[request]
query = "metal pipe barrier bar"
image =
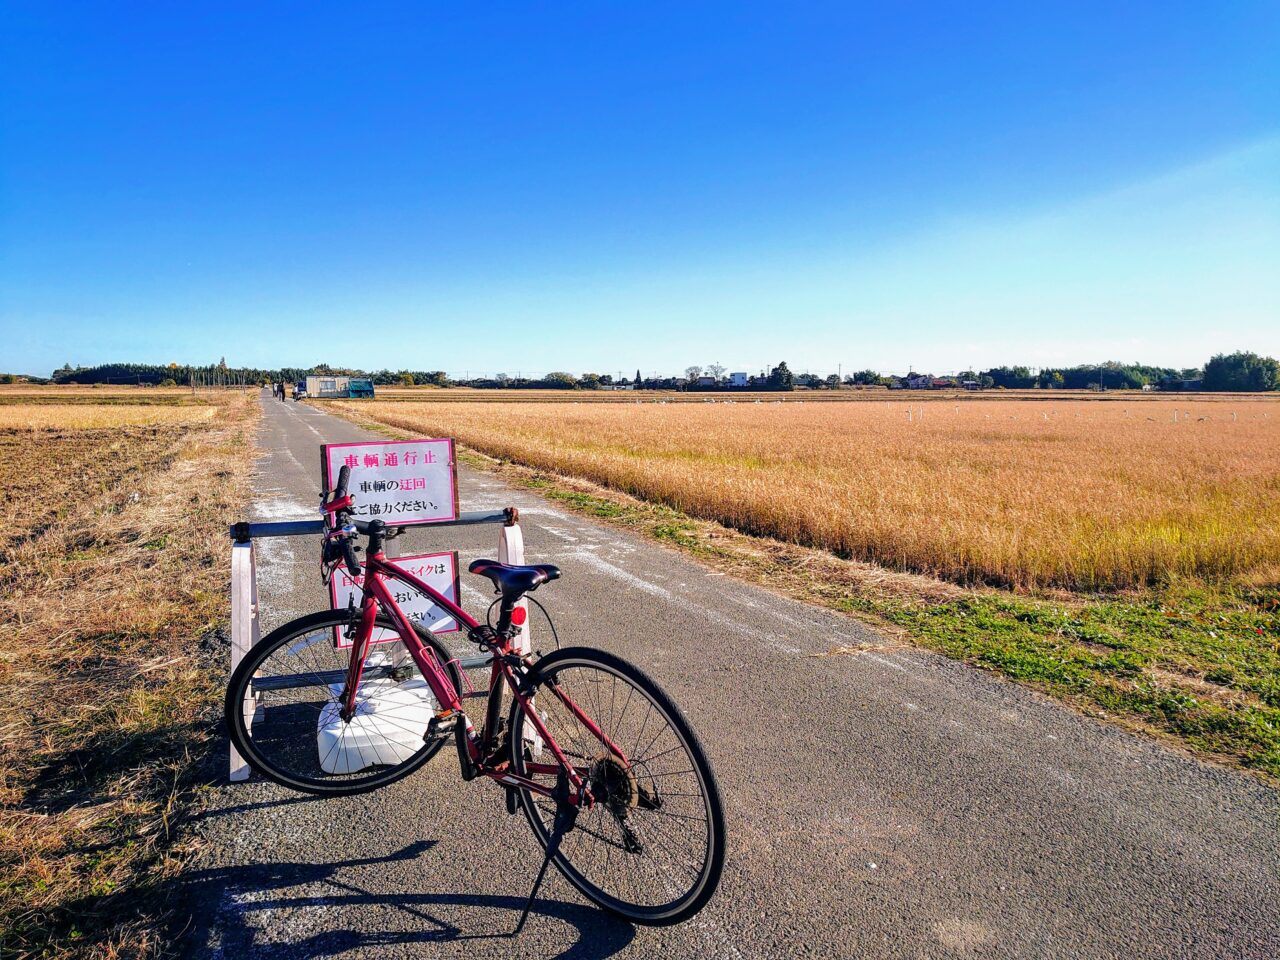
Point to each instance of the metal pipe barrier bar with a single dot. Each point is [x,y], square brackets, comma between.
[245,531]
[326,677]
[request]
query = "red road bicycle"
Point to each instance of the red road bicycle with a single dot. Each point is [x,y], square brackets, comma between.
[612,779]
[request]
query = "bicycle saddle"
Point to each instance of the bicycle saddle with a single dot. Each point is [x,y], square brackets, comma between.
[512,581]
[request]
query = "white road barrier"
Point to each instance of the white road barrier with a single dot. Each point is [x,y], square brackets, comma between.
[245,630]
[245,626]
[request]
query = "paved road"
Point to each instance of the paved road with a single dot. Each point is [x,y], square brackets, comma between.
[887,804]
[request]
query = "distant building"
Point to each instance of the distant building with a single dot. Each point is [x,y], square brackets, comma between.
[971,384]
[1177,385]
[336,386]
[919,381]
[738,380]
[706,382]
[327,386]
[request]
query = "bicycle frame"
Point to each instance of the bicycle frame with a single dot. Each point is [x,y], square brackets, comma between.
[508,668]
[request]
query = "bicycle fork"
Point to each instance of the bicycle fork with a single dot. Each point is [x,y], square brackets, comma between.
[355,666]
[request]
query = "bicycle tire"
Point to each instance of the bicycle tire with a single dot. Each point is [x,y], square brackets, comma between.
[241,736]
[553,668]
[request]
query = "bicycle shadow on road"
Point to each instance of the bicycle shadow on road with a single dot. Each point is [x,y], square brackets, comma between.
[226,900]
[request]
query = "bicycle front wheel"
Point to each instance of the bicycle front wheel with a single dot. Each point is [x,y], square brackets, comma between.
[283,713]
[652,847]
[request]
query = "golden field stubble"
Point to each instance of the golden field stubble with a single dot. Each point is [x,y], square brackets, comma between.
[1075,493]
[85,416]
[113,562]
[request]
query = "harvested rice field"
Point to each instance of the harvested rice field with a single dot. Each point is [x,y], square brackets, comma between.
[1077,494]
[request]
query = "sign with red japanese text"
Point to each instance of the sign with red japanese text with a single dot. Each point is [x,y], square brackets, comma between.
[436,570]
[403,482]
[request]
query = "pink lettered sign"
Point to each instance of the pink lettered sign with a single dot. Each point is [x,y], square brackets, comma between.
[404,482]
[439,570]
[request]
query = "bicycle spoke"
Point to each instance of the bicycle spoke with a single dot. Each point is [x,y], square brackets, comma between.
[613,733]
[291,724]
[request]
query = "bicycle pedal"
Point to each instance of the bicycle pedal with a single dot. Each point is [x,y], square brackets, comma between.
[440,727]
[513,803]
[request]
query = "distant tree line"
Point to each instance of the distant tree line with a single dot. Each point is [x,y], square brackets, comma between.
[1224,372]
[183,374]
[1106,376]
[1242,371]
[21,378]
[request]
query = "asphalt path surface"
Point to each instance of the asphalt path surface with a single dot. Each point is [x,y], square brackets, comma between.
[885,803]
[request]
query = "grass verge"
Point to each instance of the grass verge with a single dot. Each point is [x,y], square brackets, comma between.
[113,567]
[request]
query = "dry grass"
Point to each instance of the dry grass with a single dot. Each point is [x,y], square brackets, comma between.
[112,568]
[1070,493]
[93,392]
[90,416]
[473,395]
[32,396]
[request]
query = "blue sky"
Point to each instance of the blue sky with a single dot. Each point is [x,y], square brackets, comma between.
[606,187]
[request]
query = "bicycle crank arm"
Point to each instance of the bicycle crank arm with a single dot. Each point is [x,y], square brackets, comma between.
[466,766]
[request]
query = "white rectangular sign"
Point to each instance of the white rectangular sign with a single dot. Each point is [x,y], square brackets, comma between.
[404,482]
[438,570]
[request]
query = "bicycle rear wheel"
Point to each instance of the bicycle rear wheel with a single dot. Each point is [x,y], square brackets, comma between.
[282,709]
[652,847]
